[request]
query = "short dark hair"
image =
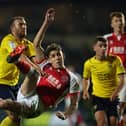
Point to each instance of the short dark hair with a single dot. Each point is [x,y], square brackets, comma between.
[52,47]
[16,18]
[100,38]
[116,14]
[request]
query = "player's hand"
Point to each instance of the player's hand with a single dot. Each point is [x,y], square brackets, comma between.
[86,95]
[61,115]
[113,96]
[50,15]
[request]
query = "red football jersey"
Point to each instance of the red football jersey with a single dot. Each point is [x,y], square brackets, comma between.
[55,84]
[117,46]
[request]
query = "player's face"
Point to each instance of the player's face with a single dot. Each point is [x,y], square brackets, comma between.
[19,28]
[56,58]
[100,49]
[118,23]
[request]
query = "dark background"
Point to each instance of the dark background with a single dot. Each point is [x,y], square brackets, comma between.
[76,25]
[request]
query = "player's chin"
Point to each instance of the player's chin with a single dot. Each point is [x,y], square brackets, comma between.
[23,35]
[58,65]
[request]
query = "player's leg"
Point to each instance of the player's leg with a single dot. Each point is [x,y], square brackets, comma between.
[124,117]
[11,107]
[25,68]
[15,54]
[99,110]
[31,78]
[112,112]
[29,83]
[122,98]
[5,116]
[101,118]
[5,93]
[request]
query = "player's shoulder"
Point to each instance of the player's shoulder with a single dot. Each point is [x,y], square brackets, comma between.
[8,41]
[107,35]
[44,64]
[112,58]
[69,72]
[90,60]
[125,33]
[72,75]
[27,41]
[74,82]
[8,37]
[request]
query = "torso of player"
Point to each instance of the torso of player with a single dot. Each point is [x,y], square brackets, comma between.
[9,74]
[53,85]
[103,75]
[117,46]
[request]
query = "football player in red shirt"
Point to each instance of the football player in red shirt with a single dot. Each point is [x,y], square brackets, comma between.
[117,46]
[45,86]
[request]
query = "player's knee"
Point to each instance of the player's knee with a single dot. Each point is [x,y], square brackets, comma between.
[33,73]
[6,103]
[13,117]
[3,104]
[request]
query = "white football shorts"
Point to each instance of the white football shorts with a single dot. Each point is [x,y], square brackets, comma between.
[32,102]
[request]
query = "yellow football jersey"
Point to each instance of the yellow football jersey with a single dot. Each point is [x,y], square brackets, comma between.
[103,74]
[9,74]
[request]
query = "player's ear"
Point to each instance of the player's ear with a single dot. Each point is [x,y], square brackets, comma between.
[125,23]
[64,56]
[111,25]
[93,47]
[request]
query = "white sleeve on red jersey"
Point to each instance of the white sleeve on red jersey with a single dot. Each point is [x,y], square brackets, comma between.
[74,84]
[107,35]
[43,63]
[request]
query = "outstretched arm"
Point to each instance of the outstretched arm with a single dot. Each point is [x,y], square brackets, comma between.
[49,18]
[71,109]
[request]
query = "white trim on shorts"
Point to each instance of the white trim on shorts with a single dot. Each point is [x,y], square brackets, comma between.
[33,102]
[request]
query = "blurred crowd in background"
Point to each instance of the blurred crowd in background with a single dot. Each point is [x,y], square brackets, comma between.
[77,23]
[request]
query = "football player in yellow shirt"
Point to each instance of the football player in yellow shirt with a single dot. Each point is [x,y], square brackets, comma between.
[9,74]
[107,76]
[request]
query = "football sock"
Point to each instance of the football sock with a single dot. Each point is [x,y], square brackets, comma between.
[23,67]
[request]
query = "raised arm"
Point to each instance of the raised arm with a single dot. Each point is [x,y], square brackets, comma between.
[49,18]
